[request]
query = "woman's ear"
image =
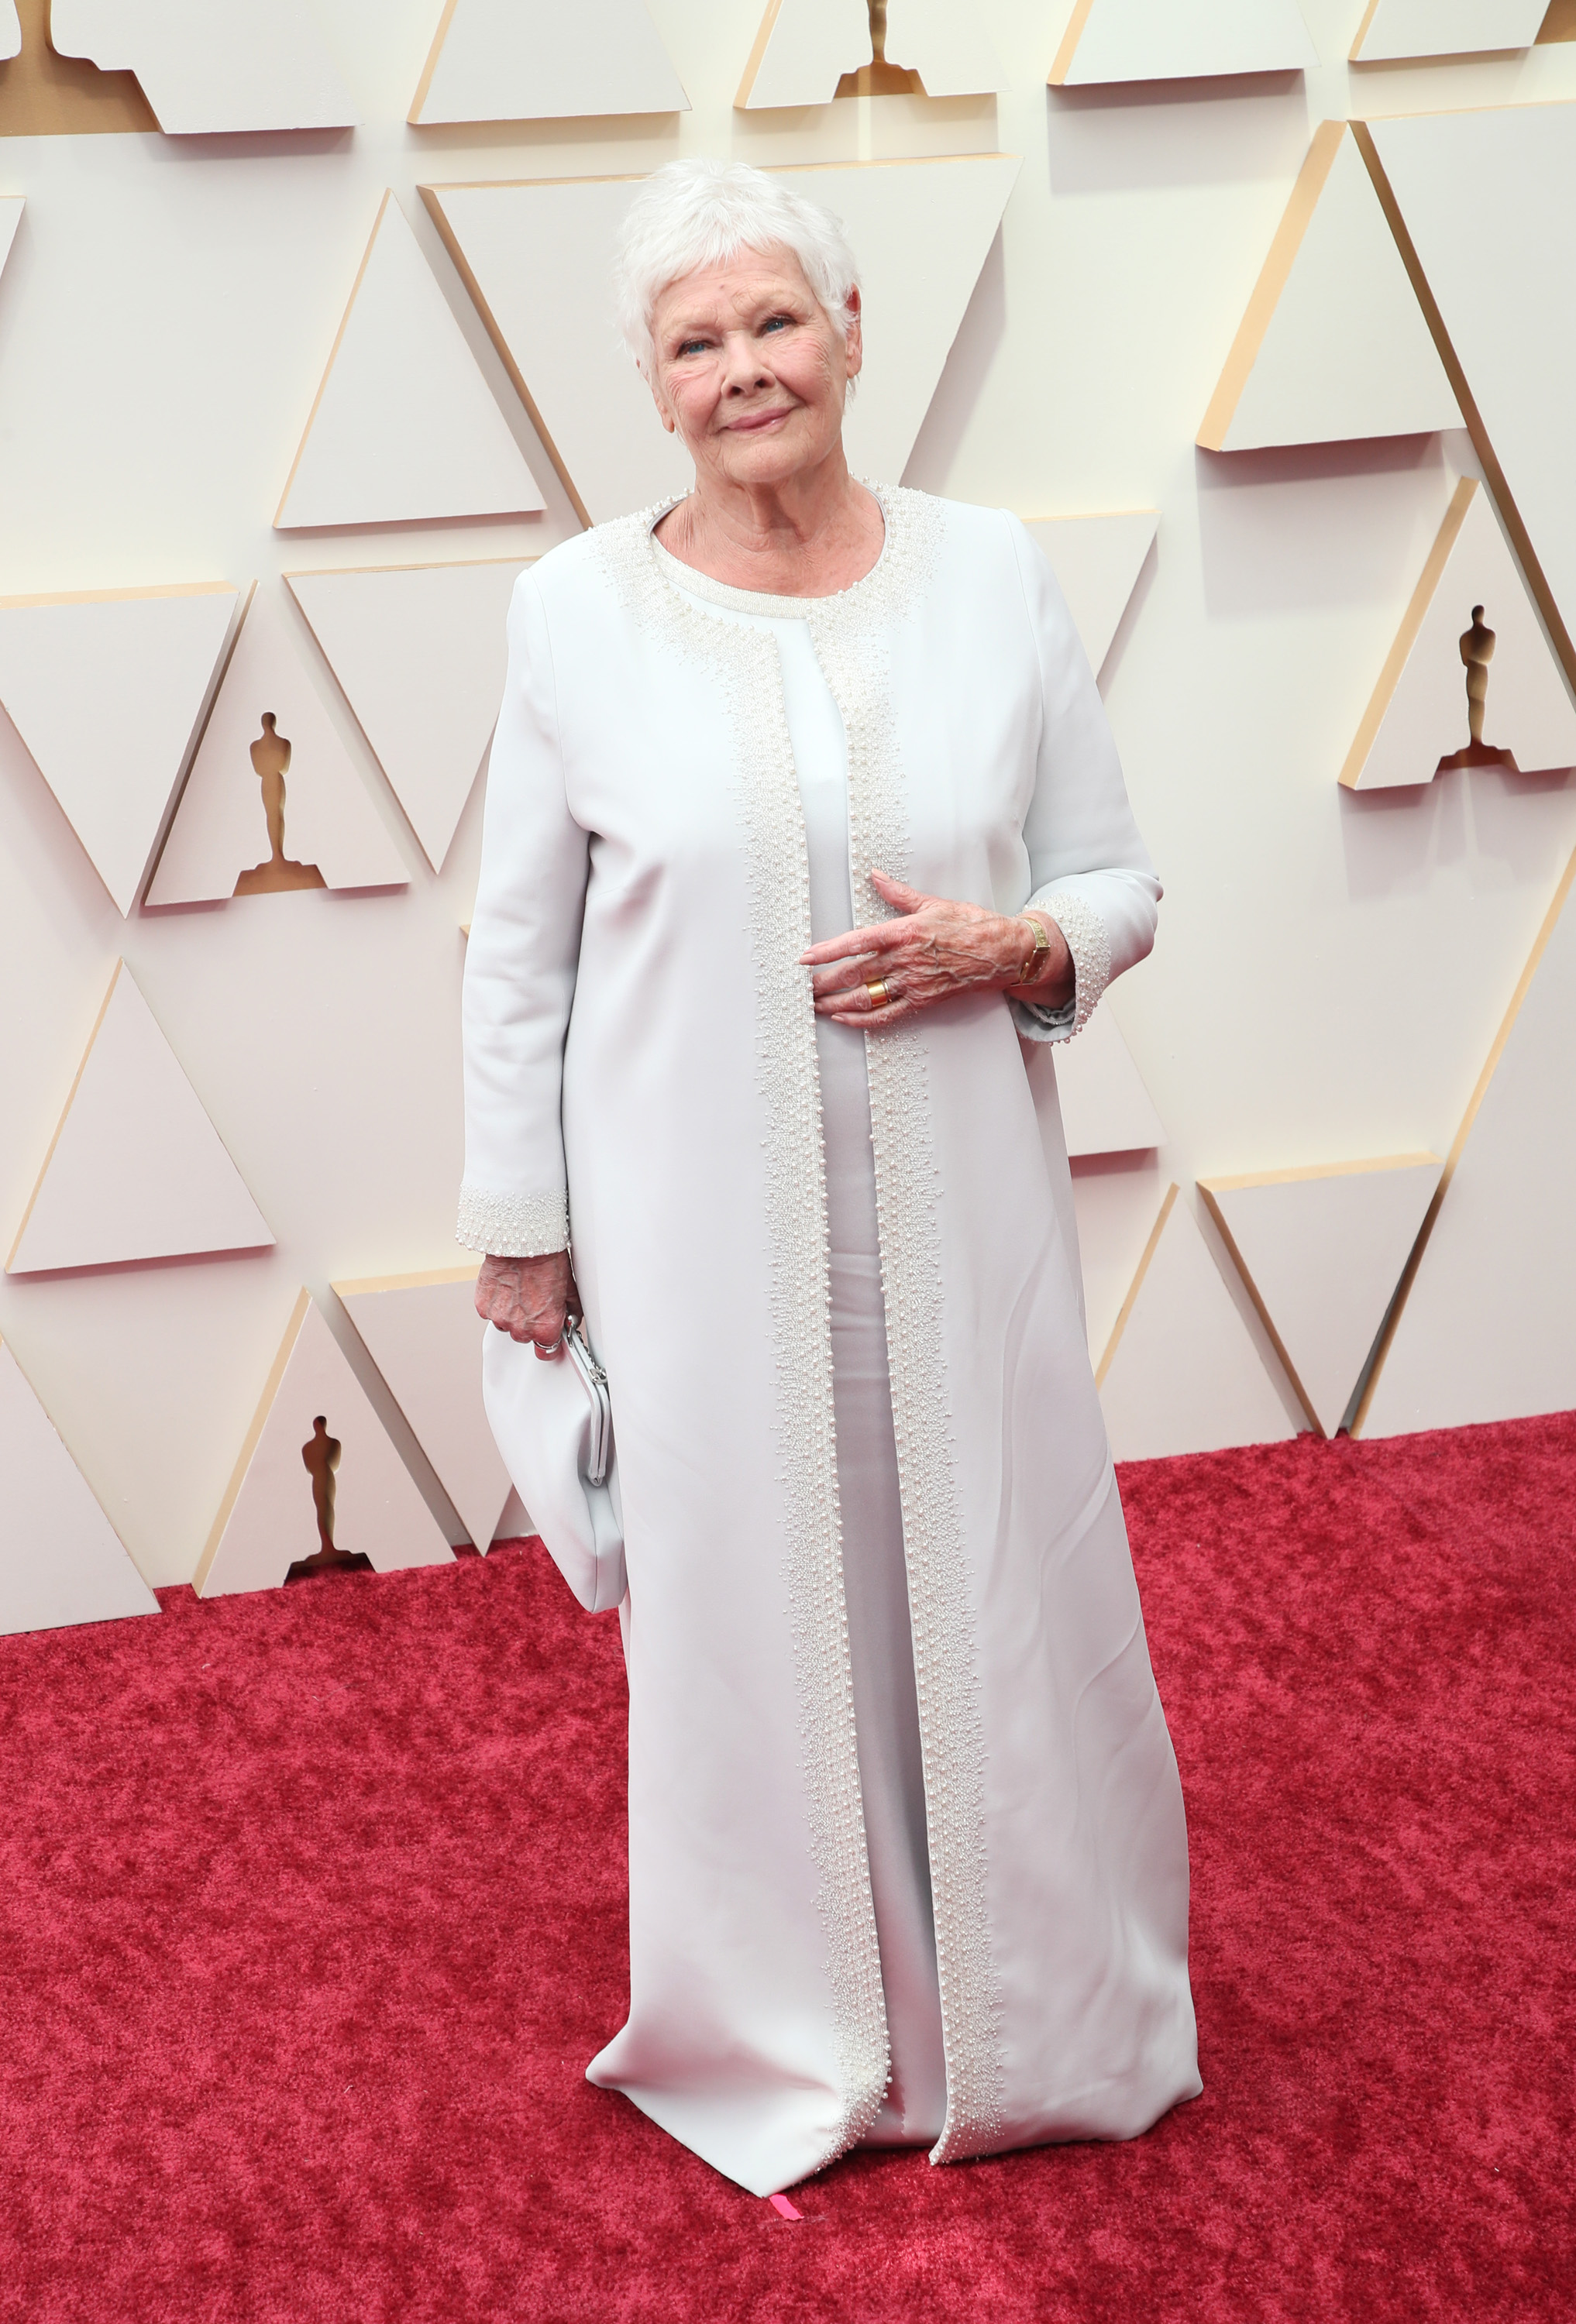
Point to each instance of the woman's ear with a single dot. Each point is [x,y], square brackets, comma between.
[854,342]
[664,411]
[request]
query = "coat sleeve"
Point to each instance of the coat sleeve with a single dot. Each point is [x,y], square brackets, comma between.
[1089,869]
[521,962]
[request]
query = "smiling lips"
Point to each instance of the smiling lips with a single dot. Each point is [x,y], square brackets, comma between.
[755,420]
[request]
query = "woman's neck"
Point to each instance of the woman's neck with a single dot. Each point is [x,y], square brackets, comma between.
[809,535]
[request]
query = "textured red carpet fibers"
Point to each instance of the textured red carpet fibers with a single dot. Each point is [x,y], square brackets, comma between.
[312,1914]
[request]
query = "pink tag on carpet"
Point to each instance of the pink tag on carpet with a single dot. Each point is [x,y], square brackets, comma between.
[783,2207]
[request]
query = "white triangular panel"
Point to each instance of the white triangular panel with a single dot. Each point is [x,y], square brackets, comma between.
[1486,1332]
[1445,28]
[11,208]
[1333,344]
[405,427]
[10,46]
[1105,1107]
[424,1335]
[538,256]
[220,829]
[539,61]
[267,1519]
[137,1171]
[105,690]
[1321,1251]
[1418,716]
[60,1559]
[1114,1204]
[1489,200]
[420,652]
[946,45]
[1097,560]
[802,50]
[1180,40]
[212,67]
[1181,1374]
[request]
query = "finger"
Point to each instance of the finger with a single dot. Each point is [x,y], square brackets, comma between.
[899,891]
[849,977]
[874,1020]
[883,937]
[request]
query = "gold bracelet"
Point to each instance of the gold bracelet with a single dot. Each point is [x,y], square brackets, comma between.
[1042,945]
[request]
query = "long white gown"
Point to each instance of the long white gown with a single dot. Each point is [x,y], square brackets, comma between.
[908,1857]
[885,1706]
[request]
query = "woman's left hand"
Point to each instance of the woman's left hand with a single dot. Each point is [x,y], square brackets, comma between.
[935,949]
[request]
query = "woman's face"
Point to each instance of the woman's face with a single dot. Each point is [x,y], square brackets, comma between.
[751,369]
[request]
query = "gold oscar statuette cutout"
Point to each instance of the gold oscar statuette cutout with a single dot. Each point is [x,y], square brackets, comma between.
[271,756]
[880,78]
[320,1459]
[43,94]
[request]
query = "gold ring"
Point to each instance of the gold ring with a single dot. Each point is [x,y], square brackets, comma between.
[878,994]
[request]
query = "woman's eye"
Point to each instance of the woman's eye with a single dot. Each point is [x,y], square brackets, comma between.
[692,347]
[778,323]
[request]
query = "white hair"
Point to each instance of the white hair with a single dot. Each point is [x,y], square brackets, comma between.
[693,215]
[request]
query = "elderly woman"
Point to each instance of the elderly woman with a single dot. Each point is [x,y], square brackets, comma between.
[804,826]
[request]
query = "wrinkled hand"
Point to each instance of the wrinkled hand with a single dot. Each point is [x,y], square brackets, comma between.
[935,949]
[529,1298]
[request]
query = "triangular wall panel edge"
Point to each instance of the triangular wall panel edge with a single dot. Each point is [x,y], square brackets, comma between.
[61,1562]
[1470,648]
[1110,41]
[135,1171]
[107,680]
[1480,1326]
[1097,560]
[269,1517]
[1320,1251]
[208,71]
[1394,30]
[404,428]
[424,1335]
[1181,1373]
[1332,346]
[273,803]
[420,652]
[539,61]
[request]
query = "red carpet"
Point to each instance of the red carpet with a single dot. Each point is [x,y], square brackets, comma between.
[310,1914]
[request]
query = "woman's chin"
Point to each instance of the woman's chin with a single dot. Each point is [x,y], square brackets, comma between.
[770,457]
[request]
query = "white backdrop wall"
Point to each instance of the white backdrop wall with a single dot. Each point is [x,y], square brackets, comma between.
[1332,967]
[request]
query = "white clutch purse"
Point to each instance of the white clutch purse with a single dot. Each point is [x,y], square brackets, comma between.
[552,1421]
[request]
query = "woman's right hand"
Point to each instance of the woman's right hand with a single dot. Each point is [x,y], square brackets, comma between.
[529,1298]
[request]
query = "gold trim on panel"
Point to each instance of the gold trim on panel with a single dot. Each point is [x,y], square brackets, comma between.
[1062,64]
[419,1282]
[1137,1284]
[431,196]
[425,84]
[753,62]
[332,356]
[1497,1050]
[1360,35]
[1494,474]
[1559,23]
[1411,621]
[119,596]
[1317,164]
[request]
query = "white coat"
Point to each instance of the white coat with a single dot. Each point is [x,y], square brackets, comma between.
[641,1065]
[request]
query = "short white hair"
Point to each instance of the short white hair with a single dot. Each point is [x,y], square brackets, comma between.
[689,216]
